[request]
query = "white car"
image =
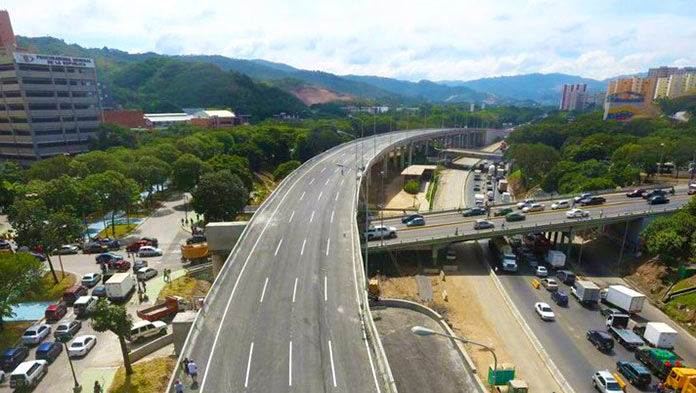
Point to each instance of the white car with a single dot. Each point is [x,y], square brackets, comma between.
[81,345]
[146,329]
[544,310]
[67,249]
[35,334]
[560,205]
[534,207]
[149,251]
[526,202]
[605,382]
[541,271]
[380,232]
[577,213]
[146,273]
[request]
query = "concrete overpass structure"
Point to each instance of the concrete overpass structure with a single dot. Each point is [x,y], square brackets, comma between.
[451,153]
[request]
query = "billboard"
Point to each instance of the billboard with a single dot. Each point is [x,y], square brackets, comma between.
[31,58]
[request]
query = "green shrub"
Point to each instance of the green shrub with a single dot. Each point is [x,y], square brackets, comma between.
[412,187]
[285,169]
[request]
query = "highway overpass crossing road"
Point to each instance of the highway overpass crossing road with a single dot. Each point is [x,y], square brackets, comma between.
[284,313]
[448,227]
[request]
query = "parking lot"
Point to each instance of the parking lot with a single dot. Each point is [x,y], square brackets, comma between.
[565,338]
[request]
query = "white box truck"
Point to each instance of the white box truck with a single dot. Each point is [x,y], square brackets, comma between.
[502,185]
[624,298]
[556,258]
[120,286]
[506,198]
[586,292]
[660,335]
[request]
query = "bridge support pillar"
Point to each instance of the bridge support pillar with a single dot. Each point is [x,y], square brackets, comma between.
[402,154]
[410,154]
[385,167]
[555,239]
[222,236]
[427,145]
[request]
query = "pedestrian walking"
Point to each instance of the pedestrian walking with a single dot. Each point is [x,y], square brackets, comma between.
[456,231]
[185,364]
[178,387]
[182,221]
[193,372]
[97,387]
[502,225]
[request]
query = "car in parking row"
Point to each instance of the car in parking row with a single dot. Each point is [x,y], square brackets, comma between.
[562,204]
[82,345]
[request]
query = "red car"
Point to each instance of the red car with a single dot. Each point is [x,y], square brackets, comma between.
[120,265]
[55,312]
[136,246]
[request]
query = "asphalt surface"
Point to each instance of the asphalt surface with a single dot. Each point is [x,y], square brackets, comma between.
[421,364]
[451,224]
[286,315]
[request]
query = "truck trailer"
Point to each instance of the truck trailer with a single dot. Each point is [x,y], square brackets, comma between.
[660,335]
[586,292]
[503,254]
[556,259]
[120,286]
[624,298]
[617,323]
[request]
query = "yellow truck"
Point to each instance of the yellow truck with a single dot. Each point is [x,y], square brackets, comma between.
[195,253]
[681,379]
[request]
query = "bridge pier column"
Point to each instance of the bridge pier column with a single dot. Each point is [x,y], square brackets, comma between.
[426,148]
[555,239]
[402,151]
[410,154]
[385,166]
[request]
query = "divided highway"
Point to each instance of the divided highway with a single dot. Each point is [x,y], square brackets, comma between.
[283,315]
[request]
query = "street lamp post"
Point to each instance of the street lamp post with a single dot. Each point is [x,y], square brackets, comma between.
[423,331]
[362,135]
[77,388]
[662,156]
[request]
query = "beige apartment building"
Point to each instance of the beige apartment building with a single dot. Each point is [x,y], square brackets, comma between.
[49,104]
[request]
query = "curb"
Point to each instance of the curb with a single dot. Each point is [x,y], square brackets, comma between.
[548,362]
[425,310]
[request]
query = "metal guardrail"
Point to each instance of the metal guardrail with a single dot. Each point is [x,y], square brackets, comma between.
[568,224]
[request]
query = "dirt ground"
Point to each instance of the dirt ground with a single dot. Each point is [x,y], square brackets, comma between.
[652,277]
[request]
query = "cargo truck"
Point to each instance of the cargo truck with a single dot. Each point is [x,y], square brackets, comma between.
[556,258]
[195,253]
[503,253]
[659,361]
[491,170]
[170,306]
[502,185]
[505,197]
[120,286]
[617,323]
[624,298]
[586,292]
[660,335]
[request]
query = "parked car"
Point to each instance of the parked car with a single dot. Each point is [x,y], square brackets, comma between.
[99,291]
[550,284]
[541,271]
[28,374]
[5,245]
[13,356]
[49,351]
[560,297]
[81,345]
[566,277]
[474,211]
[146,273]
[515,216]
[35,334]
[152,240]
[118,266]
[605,382]
[196,239]
[139,265]
[595,200]
[380,232]
[94,248]
[71,294]
[503,211]
[658,200]
[636,192]
[67,249]
[563,204]
[577,213]
[416,222]
[2,376]
[534,207]
[112,244]
[483,224]
[410,217]
[582,196]
[85,305]
[135,246]
[149,251]
[146,329]
[635,373]
[108,257]
[602,340]
[91,279]
[477,188]
[544,311]
[55,312]
[66,330]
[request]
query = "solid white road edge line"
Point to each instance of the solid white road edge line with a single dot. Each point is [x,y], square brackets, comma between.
[333,370]
[290,366]
[251,352]
[263,291]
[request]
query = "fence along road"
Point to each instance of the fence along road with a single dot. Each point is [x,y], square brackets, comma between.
[284,313]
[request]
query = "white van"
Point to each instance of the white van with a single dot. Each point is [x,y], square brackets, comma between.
[145,329]
[479,199]
[28,373]
[85,305]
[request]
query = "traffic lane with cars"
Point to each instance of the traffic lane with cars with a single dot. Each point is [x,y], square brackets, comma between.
[564,339]
[465,225]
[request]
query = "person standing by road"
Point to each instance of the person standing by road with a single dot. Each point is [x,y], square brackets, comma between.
[178,387]
[193,372]
[185,363]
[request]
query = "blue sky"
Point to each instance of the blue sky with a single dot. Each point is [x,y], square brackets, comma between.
[437,39]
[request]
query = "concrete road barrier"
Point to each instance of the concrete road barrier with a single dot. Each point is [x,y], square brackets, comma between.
[151,347]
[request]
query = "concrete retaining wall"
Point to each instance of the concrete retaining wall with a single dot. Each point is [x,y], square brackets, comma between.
[151,347]
[400,303]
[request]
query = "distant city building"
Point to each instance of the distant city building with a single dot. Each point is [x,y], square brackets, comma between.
[665,72]
[366,109]
[595,99]
[164,120]
[125,118]
[218,119]
[675,85]
[49,104]
[573,97]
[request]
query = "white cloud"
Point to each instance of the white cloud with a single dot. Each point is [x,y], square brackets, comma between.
[440,39]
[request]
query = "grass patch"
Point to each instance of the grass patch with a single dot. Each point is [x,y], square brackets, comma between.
[12,333]
[682,308]
[683,284]
[149,376]
[185,287]
[48,290]
[432,188]
[121,231]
